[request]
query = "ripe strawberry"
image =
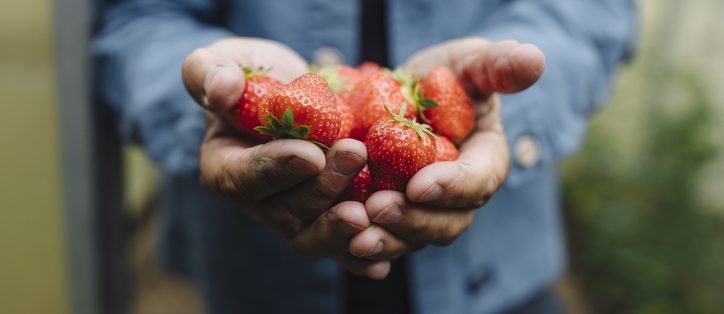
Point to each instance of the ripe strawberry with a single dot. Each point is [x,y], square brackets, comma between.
[445,105]
[341,78]
[446,150]
[346,118]
[369,97]
[245,114]
[397,148]
[304,109]
[360,188]
[368,68]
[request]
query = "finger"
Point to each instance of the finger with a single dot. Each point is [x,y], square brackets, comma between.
[376,243]
[214,75]
[330,233]
[281,62]
[307,200]
[233,169]
[505,66]
[363,267]
[416,222]
[485,67]
[214,80]
[474,177]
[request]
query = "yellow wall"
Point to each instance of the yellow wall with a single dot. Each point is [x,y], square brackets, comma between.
[33,270]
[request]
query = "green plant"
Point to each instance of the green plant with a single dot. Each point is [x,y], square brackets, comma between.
[640,239]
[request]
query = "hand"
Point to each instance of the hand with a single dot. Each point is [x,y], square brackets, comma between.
[286,185]
[441,199]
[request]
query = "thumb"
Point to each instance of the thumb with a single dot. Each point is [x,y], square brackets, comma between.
[215,82]
[504,67]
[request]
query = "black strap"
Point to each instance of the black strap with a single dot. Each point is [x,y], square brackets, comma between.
[373,38]
[365,296]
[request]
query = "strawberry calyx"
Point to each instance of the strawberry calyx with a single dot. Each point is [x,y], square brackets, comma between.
[252,72]
[285,128]
[413,91]
[330,73]
[421,129]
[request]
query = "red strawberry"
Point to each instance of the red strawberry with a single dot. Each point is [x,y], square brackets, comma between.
[397,148]
[446,150]
[369,97]
[341,78]
[360,188]
[245,115]
[368,68]
[305,109]
[445,105]
[347,118]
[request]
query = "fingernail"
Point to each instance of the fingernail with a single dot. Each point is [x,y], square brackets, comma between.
[376,250]
[431,193]
[346,163]
[389,215]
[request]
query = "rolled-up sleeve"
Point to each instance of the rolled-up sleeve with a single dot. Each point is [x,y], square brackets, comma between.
[138,51]
[584,42]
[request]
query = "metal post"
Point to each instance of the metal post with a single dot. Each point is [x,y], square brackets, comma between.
[95,221]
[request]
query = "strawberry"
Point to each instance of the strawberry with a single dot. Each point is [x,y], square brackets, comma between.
[245,114]
[346,118]
[341,78]
[304,109]
[397,148]
[368,68]
[445,105]
[446,150]
[360,188]
[369,97]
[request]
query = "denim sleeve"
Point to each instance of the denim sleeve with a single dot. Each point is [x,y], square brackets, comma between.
[138,51]
[584,42]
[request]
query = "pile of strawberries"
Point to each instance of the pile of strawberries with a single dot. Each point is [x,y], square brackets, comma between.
[374,105]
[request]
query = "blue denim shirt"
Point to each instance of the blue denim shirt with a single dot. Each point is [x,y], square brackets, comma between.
[514,248]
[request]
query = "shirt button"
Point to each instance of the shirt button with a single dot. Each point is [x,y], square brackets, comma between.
[527,151]
[328,56]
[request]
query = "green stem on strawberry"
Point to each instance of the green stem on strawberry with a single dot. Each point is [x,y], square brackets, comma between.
[420,128]
[259,71]
[286,128]
[413,91]
[331,74]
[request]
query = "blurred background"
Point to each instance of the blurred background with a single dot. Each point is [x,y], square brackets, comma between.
[644,197]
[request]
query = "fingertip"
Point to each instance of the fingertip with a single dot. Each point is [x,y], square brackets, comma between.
[527,62]
[366,243]
[353,214]
[351,145]
[223,86]
[349,157]
[427,184]
[378,270]
[381,200]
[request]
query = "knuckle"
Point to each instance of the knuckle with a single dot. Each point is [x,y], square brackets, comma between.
[446,237]
[334,213]
[226,184]
[323,191]
[456,229]
[419,228]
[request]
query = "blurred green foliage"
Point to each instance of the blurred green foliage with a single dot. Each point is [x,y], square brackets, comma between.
[641,239]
